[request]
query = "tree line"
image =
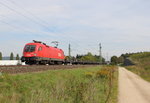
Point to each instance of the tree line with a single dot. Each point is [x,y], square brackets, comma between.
[120,60]
[117,60]
[11,56]
[89,57]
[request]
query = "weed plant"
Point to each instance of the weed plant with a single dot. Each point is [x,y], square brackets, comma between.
[92,85]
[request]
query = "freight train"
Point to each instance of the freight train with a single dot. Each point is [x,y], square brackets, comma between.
[40,53]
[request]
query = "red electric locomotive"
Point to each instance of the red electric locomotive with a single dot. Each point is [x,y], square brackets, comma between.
[40,53]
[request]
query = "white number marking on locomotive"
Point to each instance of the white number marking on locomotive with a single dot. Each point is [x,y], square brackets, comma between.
[59,54]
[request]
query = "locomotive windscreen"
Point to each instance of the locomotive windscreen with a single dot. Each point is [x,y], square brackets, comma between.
[29,48]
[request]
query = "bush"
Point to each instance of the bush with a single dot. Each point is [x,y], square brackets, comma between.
[104,73]
[89,74]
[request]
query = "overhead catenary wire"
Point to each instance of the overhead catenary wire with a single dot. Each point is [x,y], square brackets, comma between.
[27,17]
[19,28]
[15,27]
[26,30]
[35,17]
[36,20]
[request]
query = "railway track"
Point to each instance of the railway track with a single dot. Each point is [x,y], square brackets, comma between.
[37,68]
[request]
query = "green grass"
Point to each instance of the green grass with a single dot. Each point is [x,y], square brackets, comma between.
[142,65]
[58,86]
[141,71]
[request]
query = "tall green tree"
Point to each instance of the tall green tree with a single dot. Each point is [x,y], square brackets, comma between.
[0,56]
[17,57]
[114,60]
[121,59]
[11,56]
[88,57]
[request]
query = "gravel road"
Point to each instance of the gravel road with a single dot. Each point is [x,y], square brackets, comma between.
[132,88]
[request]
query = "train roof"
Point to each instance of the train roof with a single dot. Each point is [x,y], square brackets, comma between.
[41,43]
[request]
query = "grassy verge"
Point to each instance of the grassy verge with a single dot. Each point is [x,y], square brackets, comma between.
[142,71]
[142,65]
[91,85]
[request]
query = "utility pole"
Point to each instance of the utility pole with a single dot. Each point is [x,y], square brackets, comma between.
[100,53]
[107,57]
[69,52]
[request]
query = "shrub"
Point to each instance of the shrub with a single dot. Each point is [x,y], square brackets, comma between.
[104,73]
[147,68]
[89,74]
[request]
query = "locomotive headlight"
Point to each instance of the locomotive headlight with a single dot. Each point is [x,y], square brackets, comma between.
[34,54]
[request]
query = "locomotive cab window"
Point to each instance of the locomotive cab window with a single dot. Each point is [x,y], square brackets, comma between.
[40,48]
[30,48]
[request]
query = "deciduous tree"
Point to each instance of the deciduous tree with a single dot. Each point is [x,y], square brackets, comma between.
[114,60]
[11,56]
[0,56]
[17,57]
[121,59]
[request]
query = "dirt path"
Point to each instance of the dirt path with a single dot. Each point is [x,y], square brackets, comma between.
[132,89]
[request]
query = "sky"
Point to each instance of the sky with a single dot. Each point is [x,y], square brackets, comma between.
[121,26]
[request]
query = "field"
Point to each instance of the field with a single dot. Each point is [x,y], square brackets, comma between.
[83,85]
[142,65]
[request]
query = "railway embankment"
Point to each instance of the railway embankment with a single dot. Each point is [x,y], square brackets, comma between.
[141,65]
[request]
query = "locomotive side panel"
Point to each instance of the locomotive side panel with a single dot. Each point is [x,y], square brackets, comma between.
[57,54]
